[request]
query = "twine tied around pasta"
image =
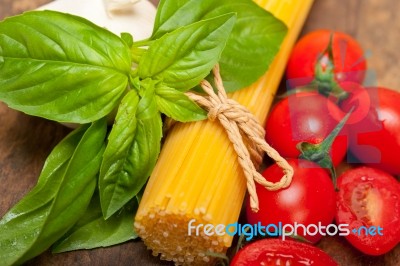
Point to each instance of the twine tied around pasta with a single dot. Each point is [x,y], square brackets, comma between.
[242,128]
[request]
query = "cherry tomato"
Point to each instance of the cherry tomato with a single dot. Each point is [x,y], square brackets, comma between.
[375,139]
[305,117]
[348,61]
[358,102]
[277,252]
[309,199]
[371,198]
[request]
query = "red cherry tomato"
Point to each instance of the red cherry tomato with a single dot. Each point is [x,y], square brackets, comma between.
[371,198]
[272,252]
[305,117]
[348,61]
[375,139]
[358,102]
[310,198]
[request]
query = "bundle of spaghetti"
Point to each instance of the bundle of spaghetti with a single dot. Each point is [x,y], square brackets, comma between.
[197,179]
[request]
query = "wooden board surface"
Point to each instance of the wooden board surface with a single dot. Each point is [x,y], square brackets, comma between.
[26,141]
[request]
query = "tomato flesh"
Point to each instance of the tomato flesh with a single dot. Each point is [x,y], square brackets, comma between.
[277,252]
[369,198]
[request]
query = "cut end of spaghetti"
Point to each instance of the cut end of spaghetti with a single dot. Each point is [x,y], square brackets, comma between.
[170,237]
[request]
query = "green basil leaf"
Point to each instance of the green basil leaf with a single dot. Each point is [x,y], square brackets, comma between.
[123,176]
[147,106]
[252,45]
[60,198]
[127,38]
[185,56]
[115,172]
[145,149]
[168,11]
[132,150]
[177,105]
[92,231]
[61,67]
[165,10]
[136,53]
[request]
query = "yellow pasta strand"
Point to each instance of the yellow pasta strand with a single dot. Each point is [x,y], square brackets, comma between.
[198,176]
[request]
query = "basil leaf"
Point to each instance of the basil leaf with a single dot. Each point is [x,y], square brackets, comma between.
[61,67]
[92,231]
[115,172]
[252,45]
[60,198]
[182,58]
[127,38]
[145,149]
[177,105]
[147,106]
[168,11]
[165,10]
[132,150]
[136,53]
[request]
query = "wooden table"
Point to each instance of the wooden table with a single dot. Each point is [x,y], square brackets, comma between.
[26,141]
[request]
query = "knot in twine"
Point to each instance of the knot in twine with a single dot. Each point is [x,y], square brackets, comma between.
[246,135]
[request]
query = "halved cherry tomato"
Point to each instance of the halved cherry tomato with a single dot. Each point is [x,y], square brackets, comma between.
[278,252]
[305,117]
[375,139]
[310,52]
[369,202]
[309,199]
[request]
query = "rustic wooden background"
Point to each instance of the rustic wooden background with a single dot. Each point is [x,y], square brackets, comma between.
[26,141]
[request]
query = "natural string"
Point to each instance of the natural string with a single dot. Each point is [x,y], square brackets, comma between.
[242,128]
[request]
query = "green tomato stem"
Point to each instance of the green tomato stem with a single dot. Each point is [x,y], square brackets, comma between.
[319,153]
[325,76]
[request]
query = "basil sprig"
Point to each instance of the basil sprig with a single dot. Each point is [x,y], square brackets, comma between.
[64,68]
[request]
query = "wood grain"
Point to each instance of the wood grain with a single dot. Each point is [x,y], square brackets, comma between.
[26,141]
